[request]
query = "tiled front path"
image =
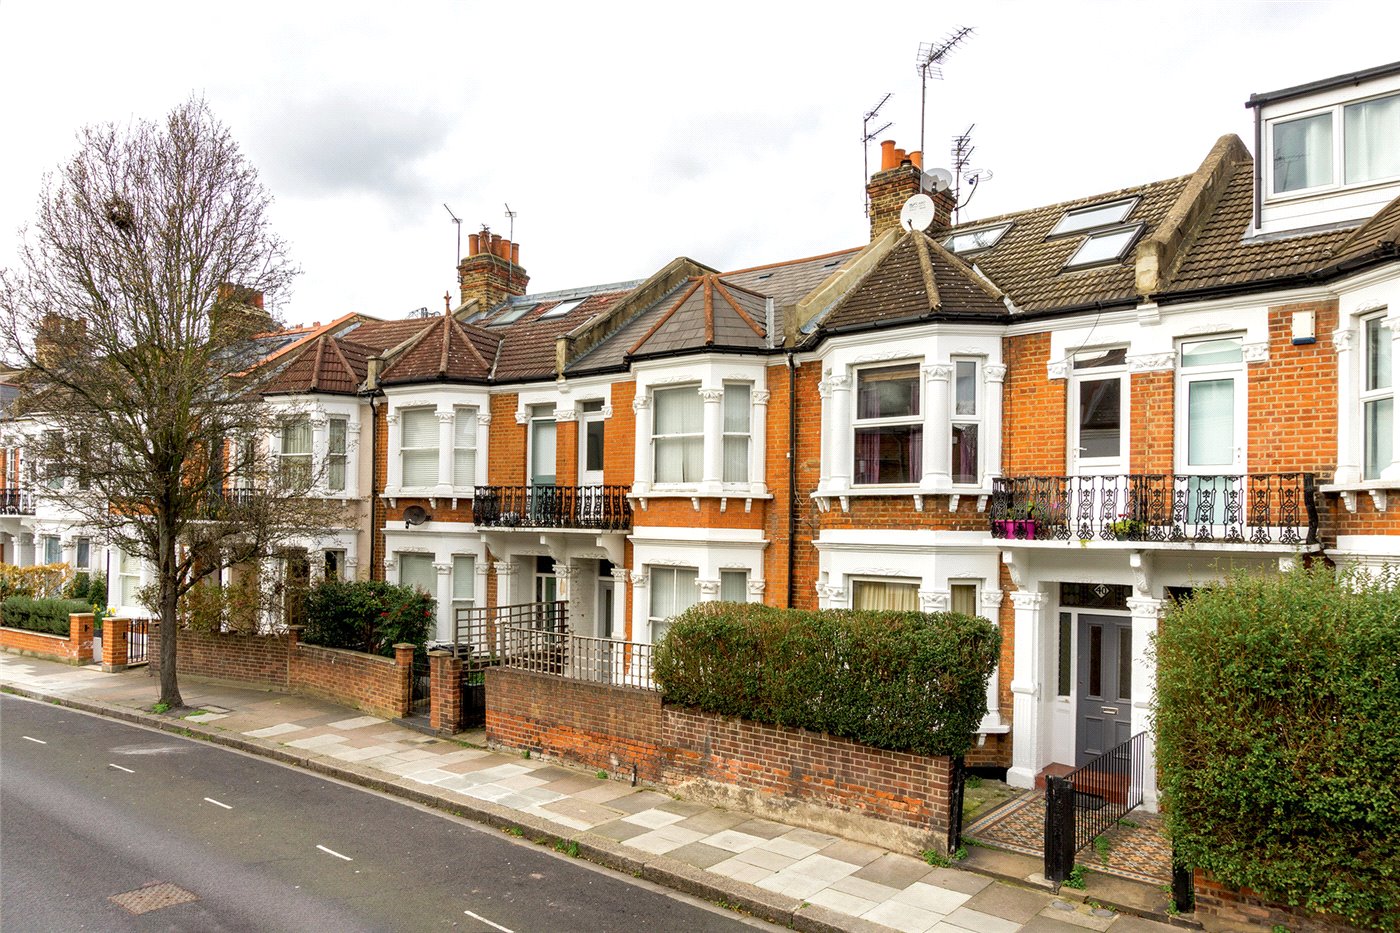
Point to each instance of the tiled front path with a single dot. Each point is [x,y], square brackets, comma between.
[1137,847]
[871,888]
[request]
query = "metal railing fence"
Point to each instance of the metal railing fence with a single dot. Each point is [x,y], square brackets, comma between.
[1089,801]
[604,508]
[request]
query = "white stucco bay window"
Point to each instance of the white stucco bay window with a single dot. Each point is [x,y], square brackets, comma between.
[701,432]
[316,437]
[926,421]
[1377,398]
[437,442]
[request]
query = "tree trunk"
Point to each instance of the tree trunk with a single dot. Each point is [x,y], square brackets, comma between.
[168,600]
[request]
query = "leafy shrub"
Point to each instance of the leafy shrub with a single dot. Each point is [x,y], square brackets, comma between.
[91,588]
[367,615]
[1277,704]
[898,680]
[41,581]
[234,607]
[41,615]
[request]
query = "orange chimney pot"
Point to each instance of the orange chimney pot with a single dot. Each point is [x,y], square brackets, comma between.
[887,160]
[917,158]
[515,253]
[473,243]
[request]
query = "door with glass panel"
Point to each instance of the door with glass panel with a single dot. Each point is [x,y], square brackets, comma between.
[547,595]
[542,465]
[590,443]
[1098,494]
[1211,400]
[1105,685]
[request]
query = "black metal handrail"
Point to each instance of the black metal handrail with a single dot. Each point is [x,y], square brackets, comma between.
[1252,508]
[604,508]
[16,502]
[1089,801]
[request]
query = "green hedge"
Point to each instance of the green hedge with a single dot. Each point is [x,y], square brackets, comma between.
[367,615]
[905,681]
[1278,739]
[41,615]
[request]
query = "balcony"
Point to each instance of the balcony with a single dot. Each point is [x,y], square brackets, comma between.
[592,508]
[1250,509]
[231,504]
[16,502]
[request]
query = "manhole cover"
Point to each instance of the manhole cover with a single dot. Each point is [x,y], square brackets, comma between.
[152,897]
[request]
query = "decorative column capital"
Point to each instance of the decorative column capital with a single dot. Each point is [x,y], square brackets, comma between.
[760,397]
[995,372]
[1057,369]
[1032,602]
[504,568]
[392,417]
[621,574]
[445,417]
[939,372]
[565,572]
[641,403]
[756,587]
[933,600]
[711,396]
[318,418]
[639,579]
[566,414]
[483,418]
[521,416]
[991,599]
[1145,607]
[709,589]
[1343,339]
[442,568]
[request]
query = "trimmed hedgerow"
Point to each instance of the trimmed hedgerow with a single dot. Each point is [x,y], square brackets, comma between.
[906,681]
[41,615]
[1277,704]
[367,615]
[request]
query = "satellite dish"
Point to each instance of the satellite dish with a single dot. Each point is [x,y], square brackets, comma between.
[936,179]
[917,213]
[415,515]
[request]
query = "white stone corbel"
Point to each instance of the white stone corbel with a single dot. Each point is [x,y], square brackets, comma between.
[918,503]
[953,501]
[1256,352]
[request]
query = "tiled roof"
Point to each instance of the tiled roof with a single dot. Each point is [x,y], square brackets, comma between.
[528,348]
[916,278]
[381,336]
[706,314]
[1377,233]
[788,282]
[445,349]
[1030,267]
[330,364]
[1219,255]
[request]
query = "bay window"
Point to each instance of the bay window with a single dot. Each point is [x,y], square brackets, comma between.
[678,435]
[889,429]
[890,595]
[296,452]
[418,447]
[673,590]
[737,418]
[335,455]
[1377,397]
[417,570]
[463,581]
[734,586]
[464,447]
[967,413]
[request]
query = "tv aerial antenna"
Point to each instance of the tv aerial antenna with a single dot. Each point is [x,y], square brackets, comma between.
[458,221]
[930,65]
[962,151]
[866,135]
[510,266]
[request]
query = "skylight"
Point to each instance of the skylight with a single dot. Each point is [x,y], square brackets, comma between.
[1098,215]
[973,240]
[1106,246]
[514,314]
[563,308]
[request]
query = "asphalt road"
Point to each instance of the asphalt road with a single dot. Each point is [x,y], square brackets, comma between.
[91,808]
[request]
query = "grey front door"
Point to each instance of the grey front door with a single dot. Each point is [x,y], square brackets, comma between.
[1105,685]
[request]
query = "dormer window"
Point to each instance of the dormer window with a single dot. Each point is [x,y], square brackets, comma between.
[1104,247]
[1307,151]
[973,240]
[1097,215]
[562,308]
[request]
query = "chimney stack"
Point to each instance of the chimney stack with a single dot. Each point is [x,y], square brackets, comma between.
[491,271]
[897,181]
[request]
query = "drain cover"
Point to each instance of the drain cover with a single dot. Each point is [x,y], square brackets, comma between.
[152,897]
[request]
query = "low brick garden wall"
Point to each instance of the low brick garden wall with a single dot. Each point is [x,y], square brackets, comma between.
[76,648]
[1236,907]
[807,778]
[369,682]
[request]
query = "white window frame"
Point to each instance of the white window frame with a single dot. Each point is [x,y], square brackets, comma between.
[337,458]
[657,438]
[975,419]
[1078,219]
[405,451]
[745,435]
[333,554]
[464,452]
[658,625]
[1338,180]
[916,420]
[980,238]
[1369,397]
[463,598]
[128,575]
[729,575]
[1080,374]
[300,460]
[401,558]
[912,583]
[44,544]
[78,544]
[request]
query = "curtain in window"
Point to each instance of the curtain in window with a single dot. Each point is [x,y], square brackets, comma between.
[1210,432]
[464,579]
[885,594]
[734,586]
[419,445]
[673,591]
[964,598]
[417,570]
[891,392]
[335,468]
[464,444]
[893,454]
[965,453]
[679,459]
[1379,347]
[1303,153]
[1378,419]
[736,432]
[1372,139]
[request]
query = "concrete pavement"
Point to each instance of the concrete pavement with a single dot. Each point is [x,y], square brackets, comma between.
[791,876]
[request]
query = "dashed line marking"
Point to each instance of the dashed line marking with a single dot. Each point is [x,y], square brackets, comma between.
[120,768]
[217,803]
[32,739]
[332,852]
[489,923]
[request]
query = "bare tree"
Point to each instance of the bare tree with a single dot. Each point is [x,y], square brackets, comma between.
[131,312]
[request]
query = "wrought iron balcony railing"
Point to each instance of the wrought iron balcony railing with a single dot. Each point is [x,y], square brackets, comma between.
[603,508]
[232,502]
[1254,508]
[16,502]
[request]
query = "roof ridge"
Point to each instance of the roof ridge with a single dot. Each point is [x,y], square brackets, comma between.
[340,354]
[695,283]
[470,344]
[935,301]
[400,350]
[971,270]
[316,363]
[709,281]
[793,262]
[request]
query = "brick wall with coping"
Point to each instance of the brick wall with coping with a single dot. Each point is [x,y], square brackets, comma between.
[1236,907]
[822,781]
[74,648]
[369,682]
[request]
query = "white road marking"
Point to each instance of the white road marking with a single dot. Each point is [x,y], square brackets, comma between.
[32,739]
[487,922]
[120,768]
[217,804]
[333,852]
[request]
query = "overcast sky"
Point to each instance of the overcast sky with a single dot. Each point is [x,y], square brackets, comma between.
[624,136]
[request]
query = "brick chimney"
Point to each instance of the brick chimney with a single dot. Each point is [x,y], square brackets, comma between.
[56,338]
[239,311]
[896,182]
[491,271]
